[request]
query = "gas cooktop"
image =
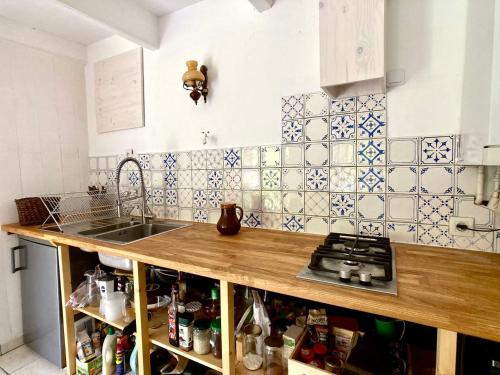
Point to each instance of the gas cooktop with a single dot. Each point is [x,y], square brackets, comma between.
[361,262]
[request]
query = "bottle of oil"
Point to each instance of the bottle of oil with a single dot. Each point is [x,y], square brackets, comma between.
[173,320]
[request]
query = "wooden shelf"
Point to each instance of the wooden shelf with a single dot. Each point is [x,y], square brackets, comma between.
[94,313]
[160,337]
[241,370]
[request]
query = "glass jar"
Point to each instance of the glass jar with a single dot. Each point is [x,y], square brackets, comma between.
[216,339]
[252,354]
[201,336]
[273,356]
[186,331]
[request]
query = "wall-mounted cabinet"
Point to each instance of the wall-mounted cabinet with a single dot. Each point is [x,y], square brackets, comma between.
[352,48]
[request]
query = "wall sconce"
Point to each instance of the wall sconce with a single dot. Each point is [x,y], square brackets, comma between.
[196,80]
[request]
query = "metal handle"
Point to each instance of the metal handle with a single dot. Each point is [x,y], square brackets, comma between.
[22,258]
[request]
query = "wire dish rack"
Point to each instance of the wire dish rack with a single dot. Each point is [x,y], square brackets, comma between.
[73,208]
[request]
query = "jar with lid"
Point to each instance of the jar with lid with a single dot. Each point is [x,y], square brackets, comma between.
[273,356]
[252,353]
[216,338]
[186,320]
[201,336]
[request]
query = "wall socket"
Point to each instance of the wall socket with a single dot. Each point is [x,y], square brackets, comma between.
[455,220]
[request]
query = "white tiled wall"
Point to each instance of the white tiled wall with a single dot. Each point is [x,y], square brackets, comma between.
[43,146]
[335,170]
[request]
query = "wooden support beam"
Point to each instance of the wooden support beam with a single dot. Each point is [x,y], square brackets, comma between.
[446,352]
[262,5]
[68,318]
[141,318]
[227,324]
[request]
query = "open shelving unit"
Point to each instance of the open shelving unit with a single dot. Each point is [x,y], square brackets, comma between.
[94,313]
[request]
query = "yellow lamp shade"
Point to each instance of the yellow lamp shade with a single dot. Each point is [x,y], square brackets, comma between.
[192,77]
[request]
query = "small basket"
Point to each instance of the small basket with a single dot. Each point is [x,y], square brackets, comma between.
[31,211]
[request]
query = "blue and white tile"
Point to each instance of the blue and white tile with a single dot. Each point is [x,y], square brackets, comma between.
[293,202]
[232,179]
[159,211]
[466,180]
[371,179]
[200,179]
[213,215]
[402,232]
[437,150]
[371,228]
[215,159]
[215,198]
[371,102]
[343,179]
[133,178]
[250,157]
[343,205]
[343,153]
[316,154]
[483,217]
[156,162]
[112,178]
[317,225]
[316,104]
[124,178]
[171,198]
[437,180]
[402,179]
[435,209]
[170,161]
[293,223]
[184,160]
[252,220]
[252,200]
[402,151]
[371,152]
[234,196]
[215,179]
[200,199]
[185,179]
[144,161]
[147,178]
[149,196]
[186,214]
[343,126]
[371,124]
[434,235]
[232,158]
[292,131]
[271,221]
[157,179]
[293,179]
[292,107]
[316,129]
[481,241]
[271,178]
[371,206]
[402,207]
[199,159]
[317,179]
[270,156]
[185,197]
[293,155]
[272,202]
[172,212]
[250,179]
[200,216]
[158,197]
[317,203]
[343,226]
[343,105]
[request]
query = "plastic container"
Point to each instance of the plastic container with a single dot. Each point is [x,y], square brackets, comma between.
[108,353]
[216,338]
[186,320]
[201,336]
[112,307]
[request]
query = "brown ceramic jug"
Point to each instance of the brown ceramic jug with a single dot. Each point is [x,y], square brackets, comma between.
[229,223]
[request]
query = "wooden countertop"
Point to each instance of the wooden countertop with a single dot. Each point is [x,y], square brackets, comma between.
[452,289]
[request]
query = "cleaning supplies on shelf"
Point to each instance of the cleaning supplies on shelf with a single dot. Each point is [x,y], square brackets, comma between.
[108,352]
[120,358]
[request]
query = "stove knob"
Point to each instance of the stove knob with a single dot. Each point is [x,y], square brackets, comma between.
[345,275]
[365,278]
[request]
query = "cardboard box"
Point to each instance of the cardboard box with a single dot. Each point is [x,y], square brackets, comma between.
[93,367]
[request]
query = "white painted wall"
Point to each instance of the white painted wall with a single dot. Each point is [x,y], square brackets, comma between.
[255,58]
[43,147]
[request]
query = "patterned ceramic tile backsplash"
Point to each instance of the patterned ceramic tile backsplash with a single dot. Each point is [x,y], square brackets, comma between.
[335,170]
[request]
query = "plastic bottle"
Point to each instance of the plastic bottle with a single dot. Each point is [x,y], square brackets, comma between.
[108,353]
[120,358]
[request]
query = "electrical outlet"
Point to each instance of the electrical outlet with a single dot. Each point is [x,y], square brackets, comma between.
[455,220]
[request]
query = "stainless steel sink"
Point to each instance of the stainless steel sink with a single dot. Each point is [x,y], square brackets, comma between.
[137,232]
[107,228]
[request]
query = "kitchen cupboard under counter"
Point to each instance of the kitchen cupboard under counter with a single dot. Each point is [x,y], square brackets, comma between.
[450,289]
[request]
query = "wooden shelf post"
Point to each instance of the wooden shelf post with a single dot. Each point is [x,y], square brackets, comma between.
[141,318]
[446,352]
[227,324]
[67,312]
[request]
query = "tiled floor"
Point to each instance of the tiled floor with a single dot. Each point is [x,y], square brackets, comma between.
[23,361]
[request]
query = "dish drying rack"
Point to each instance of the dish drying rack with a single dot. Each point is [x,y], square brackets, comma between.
[79,207]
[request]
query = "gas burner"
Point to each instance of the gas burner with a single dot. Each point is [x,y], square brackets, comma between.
[357,246]
[351,263]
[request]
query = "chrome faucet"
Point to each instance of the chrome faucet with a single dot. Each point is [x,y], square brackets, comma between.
[144,207]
